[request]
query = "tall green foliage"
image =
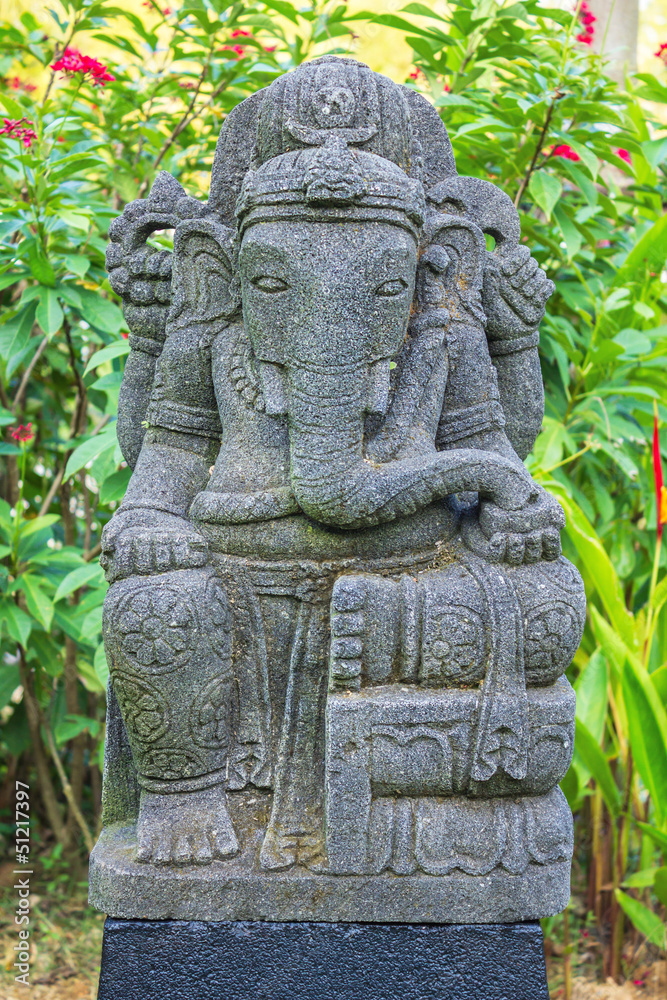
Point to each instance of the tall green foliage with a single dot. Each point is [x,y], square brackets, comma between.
[527,106]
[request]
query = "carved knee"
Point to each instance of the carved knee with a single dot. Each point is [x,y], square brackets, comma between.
[436,629]
[553,603]
[428,630]
[168,644]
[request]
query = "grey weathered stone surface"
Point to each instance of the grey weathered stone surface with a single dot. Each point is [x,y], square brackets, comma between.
[339,618]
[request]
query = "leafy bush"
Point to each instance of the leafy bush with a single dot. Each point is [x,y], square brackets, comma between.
[528,106]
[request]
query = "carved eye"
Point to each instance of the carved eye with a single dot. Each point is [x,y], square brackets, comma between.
[390,288]
[269,283]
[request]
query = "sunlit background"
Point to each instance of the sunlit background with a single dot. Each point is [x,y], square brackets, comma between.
[385,49]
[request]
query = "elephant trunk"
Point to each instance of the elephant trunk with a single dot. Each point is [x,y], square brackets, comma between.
[335,485]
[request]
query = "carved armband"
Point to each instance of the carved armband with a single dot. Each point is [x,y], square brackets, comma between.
[148,345]
[456,425]
[500,347]
[186,419]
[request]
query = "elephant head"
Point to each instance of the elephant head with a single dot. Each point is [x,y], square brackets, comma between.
[328,262]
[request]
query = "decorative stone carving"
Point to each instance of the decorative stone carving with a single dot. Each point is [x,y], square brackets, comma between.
[339,616]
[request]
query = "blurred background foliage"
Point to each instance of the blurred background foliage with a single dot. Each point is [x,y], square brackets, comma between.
[529,105]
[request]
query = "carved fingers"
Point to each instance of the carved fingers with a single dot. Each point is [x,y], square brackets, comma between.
[140,273]
[142,550]
[515,293]
[526,535]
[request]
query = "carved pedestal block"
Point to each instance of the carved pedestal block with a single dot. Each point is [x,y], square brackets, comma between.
[400,796]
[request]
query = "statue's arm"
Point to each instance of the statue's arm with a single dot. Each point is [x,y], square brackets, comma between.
[472,414]
[473,417]
[151,532]
[514,295]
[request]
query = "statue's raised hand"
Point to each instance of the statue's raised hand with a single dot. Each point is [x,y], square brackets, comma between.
[140,273]
[525,535]
[514,294]
[140,543]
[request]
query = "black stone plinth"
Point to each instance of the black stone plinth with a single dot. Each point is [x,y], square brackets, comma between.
[258,960]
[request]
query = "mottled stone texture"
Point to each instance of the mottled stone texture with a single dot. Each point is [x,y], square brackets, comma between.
[339,617]
[309,961]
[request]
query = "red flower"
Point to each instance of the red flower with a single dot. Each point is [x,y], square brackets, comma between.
[241,33]
[238,49]
[660,491]
[587,19]
[16,84]
[623,154]
[566,152]
[662,52]
[72,62]
[22,433]
[270,48]
[15,129]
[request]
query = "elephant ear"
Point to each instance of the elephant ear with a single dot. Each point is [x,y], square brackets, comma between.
[205,282]
[451,265]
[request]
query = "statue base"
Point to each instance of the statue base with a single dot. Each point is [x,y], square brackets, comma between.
[191,960]
[238,890]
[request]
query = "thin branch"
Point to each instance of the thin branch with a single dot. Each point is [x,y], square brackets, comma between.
[538,148]
[67,788]
[58,478]
[26,375]
[183,124]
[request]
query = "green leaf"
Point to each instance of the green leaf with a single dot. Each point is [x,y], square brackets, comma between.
[34,524]
[647,256]
[19,624]
[591,691]
[657,836]
[15,333]
[89,677]
[571,234]
[6,520]
[115,486]
[647,722]
[88,450]
[599,565]
[72,726]
[593,758]
[117,350]
[546,190]
[38,604]
[660,885]
[49,313]
[640,880]
[10,679]
[101,666]
[100,312]
[89,575]
[40,265]
[646,921]
[78,264]
[92,624]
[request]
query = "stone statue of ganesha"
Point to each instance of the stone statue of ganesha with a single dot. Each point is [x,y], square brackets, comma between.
[339,617]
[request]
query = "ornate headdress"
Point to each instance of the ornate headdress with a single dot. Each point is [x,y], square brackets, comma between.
[333,141]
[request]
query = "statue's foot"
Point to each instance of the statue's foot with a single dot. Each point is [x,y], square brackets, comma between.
[365,614]
[185,828]
[284,851]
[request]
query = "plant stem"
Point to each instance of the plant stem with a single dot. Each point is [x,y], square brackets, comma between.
[567,954]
